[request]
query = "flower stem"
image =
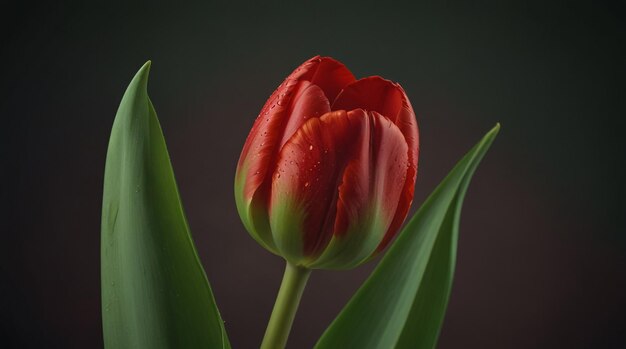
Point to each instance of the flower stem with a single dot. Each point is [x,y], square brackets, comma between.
[285,308]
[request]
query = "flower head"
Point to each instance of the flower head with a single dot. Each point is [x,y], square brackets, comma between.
[327,173]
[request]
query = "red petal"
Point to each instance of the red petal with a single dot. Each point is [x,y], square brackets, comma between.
[277,123]
[403,208]
[354,190]
[294,101]
[309,101]
[335,167]
[377,94]
[330,75]
[389,99]
[309,167]
[374,178]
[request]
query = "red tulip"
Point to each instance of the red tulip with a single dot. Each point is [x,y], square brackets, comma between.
[327,174]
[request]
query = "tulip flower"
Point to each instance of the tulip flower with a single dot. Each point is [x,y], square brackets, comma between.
[326,176]
[327,173]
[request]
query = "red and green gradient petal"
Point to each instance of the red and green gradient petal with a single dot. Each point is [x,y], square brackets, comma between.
[389,99]
[304,94]
[336,189]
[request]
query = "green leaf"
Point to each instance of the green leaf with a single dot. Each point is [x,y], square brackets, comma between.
[155,293]
[403,302]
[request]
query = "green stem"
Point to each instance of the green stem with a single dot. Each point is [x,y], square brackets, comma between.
[285,308]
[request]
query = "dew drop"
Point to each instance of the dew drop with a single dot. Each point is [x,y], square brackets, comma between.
[306,184]
[311,147]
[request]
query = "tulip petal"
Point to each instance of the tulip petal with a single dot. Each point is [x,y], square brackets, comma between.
[342,176]
[330,75]
[269,131]
[263,143]
[309,101]
[308,168]
[294,101]
[370,190]
[389,99]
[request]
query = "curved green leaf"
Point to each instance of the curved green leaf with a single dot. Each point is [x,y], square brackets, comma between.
[155,293]
[403,303]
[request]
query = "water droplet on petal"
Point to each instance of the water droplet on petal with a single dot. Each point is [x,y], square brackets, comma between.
[311,147]
[306,184]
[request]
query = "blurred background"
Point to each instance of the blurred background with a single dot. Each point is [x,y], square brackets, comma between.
[542,254]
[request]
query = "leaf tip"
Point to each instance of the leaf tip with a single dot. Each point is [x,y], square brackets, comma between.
[491,135]
[495,129]
[146,66]
[140,81]
[143,73]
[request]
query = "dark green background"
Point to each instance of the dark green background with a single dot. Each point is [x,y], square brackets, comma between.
[542,252]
